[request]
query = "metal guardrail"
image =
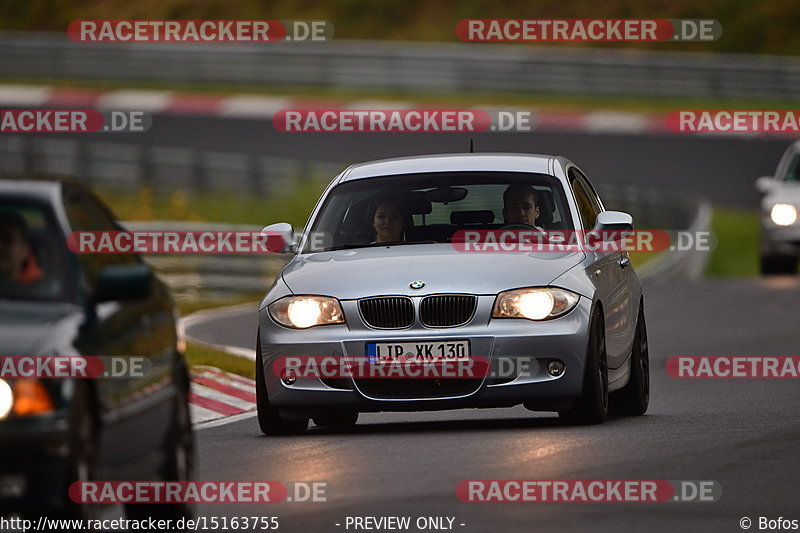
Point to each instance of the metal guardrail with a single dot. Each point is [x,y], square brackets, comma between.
[129,167]
[407,67]
[659,209]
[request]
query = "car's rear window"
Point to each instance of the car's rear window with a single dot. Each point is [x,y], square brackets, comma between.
[31,253]
[432,207]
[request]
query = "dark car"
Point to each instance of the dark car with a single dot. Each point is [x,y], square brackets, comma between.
[53,302]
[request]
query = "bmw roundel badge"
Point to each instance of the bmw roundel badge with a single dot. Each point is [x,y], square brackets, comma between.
[416,284]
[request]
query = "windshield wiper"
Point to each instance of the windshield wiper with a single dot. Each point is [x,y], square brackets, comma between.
[369,245]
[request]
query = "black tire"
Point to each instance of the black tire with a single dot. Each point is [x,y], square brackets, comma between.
[633,398]
[269,419]
[338,418]
[778,264]
[591,407]
[82,461]
[179,456]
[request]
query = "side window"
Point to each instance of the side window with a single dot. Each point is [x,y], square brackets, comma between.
[86,214]
[588,204]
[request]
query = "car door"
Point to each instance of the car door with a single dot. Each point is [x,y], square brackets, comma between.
[611,273]
[134,406]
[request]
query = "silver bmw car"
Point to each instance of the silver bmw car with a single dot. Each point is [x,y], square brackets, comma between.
[402,263]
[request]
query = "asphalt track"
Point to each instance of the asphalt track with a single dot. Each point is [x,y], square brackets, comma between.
[742,433]
[722,168]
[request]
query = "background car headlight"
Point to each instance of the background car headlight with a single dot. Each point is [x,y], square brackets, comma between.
[541,303]
[303,312]
[6,399]
[783,214]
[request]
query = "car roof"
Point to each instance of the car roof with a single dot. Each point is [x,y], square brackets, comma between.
[35,189]
[497,162]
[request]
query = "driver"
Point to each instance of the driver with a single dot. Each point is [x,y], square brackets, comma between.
[17,260]
[520,205]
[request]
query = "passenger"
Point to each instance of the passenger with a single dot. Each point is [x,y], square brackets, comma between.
[17,260]
[520,205]
[387,222]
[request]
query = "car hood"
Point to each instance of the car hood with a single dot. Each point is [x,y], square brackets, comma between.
[363,272]
[785,192]
[24,327]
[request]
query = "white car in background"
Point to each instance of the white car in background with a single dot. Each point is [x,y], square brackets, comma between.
[780,223]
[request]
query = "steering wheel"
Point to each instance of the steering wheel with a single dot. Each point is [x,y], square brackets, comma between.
[521,226]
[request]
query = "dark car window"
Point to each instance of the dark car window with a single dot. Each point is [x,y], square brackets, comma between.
[32,263]
[432,207]
[588,203]
[793,172]
[85,213]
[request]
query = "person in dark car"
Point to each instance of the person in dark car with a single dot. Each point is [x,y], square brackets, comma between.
[17,261]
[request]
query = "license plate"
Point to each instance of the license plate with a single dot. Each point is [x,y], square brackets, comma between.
[422,352]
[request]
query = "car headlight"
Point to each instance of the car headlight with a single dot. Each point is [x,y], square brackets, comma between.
[25,396]
[302,312]
[6,399]
[541,303]
[783,214]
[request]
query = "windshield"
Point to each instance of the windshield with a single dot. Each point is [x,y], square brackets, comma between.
[430,208]
[31,262]
[793,172]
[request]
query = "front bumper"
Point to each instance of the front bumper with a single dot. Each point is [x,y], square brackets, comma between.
[779,240]
[34,463]
[537,343]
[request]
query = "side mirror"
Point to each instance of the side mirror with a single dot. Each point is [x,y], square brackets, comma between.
[124,282]
[611,226]
[280,237]
[764,184]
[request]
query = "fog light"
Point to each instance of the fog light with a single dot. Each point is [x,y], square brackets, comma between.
[555,368]
[289,380]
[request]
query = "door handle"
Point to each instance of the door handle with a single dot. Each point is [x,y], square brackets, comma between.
[624,261]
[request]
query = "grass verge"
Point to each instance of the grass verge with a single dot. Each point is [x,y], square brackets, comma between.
[201,355]
[736,252]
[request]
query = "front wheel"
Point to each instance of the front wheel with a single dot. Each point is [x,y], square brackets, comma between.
[591,407]
[178,456]
[269,419]
[633,399]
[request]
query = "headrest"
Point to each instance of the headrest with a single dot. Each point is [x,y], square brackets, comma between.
[418,204]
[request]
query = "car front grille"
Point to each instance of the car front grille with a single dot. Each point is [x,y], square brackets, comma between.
[391,312]
[447,310]
[422,388]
